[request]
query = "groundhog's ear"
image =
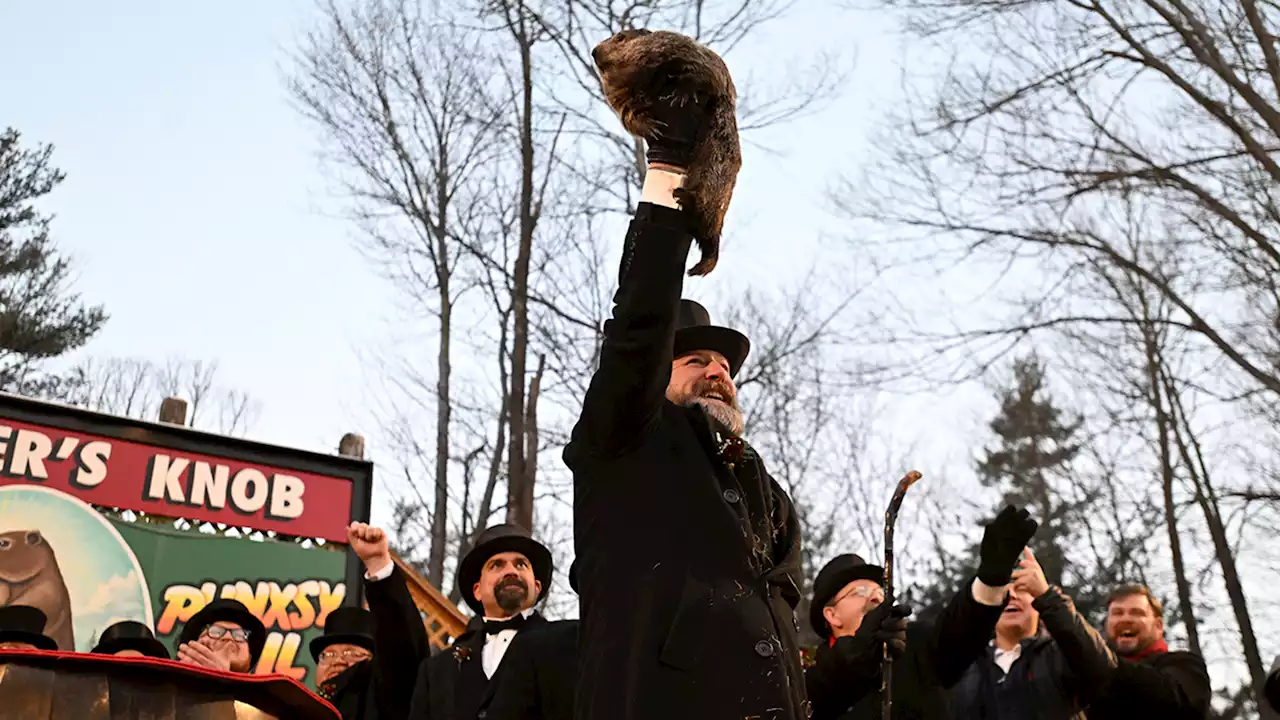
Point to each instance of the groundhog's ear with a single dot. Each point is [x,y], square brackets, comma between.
[33,537]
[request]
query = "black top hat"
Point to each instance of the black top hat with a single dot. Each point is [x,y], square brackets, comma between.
[842,570]
[499,539]
[229,611]
[346,625]
[130,635]
[694,331]
[22,623]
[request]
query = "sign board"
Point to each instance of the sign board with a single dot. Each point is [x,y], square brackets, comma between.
[88,570]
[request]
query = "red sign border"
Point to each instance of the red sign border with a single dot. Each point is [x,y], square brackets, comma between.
[178,437]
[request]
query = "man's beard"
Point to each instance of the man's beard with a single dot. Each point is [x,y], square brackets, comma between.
[725,412]
[728,416]
[511,593]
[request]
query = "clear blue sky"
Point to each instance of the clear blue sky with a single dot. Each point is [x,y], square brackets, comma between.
[192,204]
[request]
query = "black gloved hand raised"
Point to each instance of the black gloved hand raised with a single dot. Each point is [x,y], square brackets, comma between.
[679,114]
[884,626]
[1003,541]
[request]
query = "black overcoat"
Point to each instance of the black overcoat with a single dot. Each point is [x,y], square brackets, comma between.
[679,617]
[381,688]
[937,656]
[536,677]
[451,684]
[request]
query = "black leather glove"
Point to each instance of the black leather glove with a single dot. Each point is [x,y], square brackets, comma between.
[1003,541]
[884,625]
[679,115]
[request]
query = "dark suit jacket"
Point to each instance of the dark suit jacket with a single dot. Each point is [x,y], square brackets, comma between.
[381,688]
[535,679]
[682,614]
[451,684]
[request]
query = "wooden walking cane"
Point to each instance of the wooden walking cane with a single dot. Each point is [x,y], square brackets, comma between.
[891,520]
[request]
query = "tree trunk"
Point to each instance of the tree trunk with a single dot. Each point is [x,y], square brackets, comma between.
[1156,398]
[467,541]
[1206,498]
[518,511]
[531,440]
[440,510]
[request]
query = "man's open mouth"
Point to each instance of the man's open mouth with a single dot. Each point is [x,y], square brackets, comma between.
[716,395]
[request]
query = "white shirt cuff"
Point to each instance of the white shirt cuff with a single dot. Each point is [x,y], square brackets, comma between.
[987,595]
[659,186]
[383,573]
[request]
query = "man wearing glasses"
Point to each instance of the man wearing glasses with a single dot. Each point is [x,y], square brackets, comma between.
[848,612]
[367,660]
[225,636]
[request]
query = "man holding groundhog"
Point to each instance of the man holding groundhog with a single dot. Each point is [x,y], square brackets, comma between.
[687,550]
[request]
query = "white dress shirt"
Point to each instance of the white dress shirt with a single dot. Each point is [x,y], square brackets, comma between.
[495,646]
[987,595]
[383,573]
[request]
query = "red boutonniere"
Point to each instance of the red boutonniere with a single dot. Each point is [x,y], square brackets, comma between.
[732,449]
[461,653]
[807,658]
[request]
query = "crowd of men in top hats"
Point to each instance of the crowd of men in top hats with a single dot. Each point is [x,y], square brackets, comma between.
[688,557]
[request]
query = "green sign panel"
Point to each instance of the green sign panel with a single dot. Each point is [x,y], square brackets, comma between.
[290,588]
[87,571]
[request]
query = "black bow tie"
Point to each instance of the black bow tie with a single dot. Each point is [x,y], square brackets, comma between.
[493,627]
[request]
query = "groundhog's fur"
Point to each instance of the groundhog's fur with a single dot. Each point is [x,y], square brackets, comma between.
[29,575]
[639,69]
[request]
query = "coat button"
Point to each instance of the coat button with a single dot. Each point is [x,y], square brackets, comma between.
[731,496]
[764,648]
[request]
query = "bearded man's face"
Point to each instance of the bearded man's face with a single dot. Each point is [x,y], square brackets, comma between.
[701,378]
[1133,625]
[507,585]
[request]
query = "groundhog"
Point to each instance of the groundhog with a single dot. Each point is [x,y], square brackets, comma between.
[640,68]
[29,575]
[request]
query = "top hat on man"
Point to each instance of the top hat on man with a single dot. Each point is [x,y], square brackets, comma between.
[694,331]
[842,570]
[345,626]
[130,635]
[22,623]
[227,610]
[499,539]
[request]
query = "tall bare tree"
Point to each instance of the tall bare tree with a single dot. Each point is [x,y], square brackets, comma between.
[1030,154]
[519,254]
[410,116]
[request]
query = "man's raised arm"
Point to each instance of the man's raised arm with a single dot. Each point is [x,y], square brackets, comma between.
[630,384]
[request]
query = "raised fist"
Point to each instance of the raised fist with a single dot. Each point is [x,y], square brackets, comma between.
[370,545]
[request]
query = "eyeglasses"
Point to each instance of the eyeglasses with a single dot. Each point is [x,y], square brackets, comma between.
[866,592]
[350,654]
[217,632]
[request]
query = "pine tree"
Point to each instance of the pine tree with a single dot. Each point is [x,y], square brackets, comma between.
[1030,465]
[1036,443]
[40,318]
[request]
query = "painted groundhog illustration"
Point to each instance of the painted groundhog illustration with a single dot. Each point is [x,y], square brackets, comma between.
[640,69]
[29,575]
